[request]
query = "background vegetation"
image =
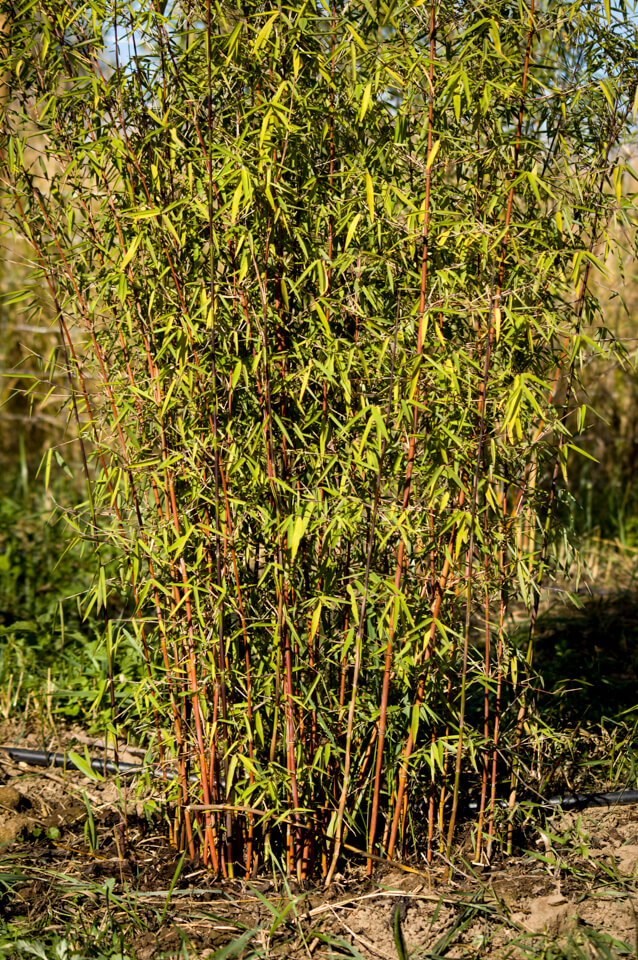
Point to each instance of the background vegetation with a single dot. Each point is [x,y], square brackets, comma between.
[323,283]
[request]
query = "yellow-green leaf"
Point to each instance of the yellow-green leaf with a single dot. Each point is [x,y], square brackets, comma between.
[370,195]
[365,102]
[234,210]
[264,33]
[166,222]
[414,726]
[83,764]
[314,623]
[322,316]
[605,89]
[233,40]
[357,37]
[236,374]
[130,253]
[141,214]
[351,230]
[47,469]
[304,382]
[298,531]
[432,154]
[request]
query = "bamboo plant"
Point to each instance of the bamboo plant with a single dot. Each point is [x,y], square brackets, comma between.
[321,276]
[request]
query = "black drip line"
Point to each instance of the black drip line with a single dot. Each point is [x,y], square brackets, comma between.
[45,758]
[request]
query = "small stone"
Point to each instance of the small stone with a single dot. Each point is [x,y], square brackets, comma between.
[551,914]
[10,798]
[12,828]
[628,859]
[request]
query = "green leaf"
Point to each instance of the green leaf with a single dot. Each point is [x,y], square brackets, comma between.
[314,623]
[432,154]
[414,725]
[304,382]
[83,764]
[354,223]
[237,198]
[370,195]
[365,101]
[605,87]
[237,371]
[295,539]
[149,214]
[130,253]
[262,37]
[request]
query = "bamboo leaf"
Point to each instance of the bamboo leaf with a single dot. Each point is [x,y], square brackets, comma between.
[237,372]
[47,471]
[304,382]
[365,101]
[83,764]
[314,624]
[370,195]
[354,223]
[604,86]
[262,37]
[130,253]
[237,198]
[432,154]
[297,533]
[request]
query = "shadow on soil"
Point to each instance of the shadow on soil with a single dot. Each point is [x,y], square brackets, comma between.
[588,658]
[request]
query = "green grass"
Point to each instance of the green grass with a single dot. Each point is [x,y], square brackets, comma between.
[52,654]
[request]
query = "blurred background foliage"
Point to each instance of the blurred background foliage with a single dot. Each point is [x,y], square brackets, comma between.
[50,650]
[605,488]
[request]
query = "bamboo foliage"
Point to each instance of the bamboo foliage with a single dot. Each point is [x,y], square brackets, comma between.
[321,278]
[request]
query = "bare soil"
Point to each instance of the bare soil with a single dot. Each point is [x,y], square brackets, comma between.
[572,892]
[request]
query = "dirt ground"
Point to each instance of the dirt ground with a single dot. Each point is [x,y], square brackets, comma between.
[572,893]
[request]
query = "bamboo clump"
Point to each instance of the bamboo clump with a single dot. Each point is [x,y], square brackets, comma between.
[321,278]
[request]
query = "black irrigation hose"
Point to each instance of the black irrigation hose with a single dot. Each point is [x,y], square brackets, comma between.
[578,801]
[43,758]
